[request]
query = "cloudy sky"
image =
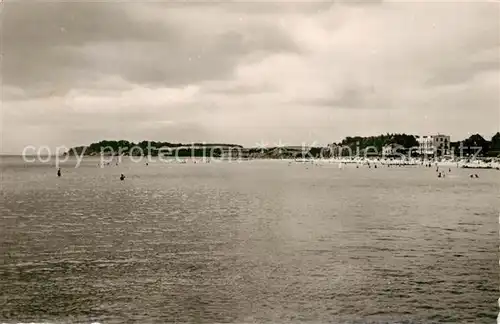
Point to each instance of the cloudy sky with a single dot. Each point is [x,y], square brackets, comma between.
[235,72]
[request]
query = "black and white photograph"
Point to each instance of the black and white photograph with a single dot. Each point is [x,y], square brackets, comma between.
[243,162]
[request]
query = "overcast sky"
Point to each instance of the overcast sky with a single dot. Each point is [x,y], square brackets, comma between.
[76,73]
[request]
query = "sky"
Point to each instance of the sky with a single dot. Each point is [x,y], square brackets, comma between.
[284,72]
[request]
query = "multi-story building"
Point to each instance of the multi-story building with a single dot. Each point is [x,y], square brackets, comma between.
[392,149]
[434,144]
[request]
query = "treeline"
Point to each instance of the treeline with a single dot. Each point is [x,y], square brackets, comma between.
[153,148]
[356,144]
[378,142]
[489,148]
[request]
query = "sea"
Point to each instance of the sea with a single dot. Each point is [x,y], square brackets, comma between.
[247,242]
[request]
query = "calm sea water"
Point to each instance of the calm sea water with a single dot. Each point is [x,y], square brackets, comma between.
[247,242]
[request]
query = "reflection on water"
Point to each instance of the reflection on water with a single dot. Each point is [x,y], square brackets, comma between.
[255,241]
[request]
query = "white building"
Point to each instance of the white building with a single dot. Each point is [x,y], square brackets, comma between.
[391,149]
[434,144]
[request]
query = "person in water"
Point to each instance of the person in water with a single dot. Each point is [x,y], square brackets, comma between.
[59,172]
[122,177]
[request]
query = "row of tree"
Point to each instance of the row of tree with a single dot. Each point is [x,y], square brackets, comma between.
[488,148]
[378,142]
[154,148]
[355,144]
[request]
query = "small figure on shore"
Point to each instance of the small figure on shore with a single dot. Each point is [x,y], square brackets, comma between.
[59,172]
[147,163]
[476,175]
[375,166]
[439,175]
[472,176]
[449,170]
[122,177]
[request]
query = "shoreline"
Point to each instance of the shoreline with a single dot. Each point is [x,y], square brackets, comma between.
[476,164]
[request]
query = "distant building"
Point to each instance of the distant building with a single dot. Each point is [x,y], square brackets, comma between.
[391,149]
[433,144]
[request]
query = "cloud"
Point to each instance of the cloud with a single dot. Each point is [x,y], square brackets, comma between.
[39,39]
[53,45]
[239,72]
